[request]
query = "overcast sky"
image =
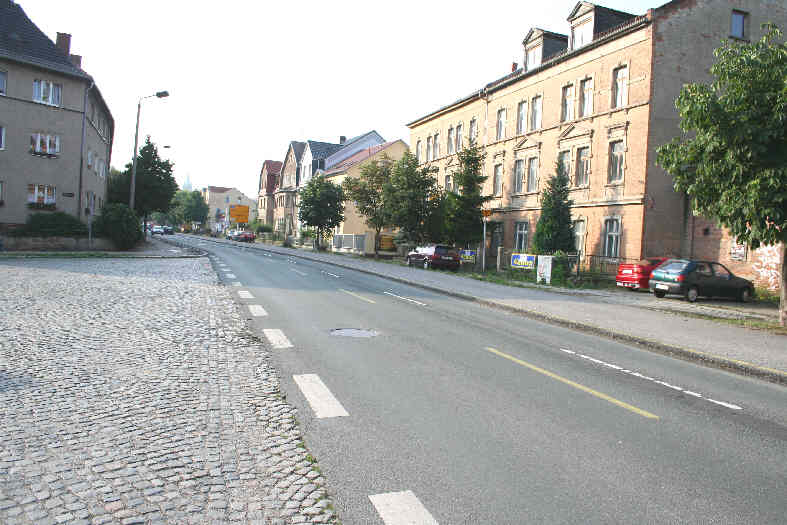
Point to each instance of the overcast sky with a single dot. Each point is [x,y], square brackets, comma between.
[247,76]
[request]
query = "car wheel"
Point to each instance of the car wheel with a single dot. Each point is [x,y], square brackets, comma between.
[745,295]
[692,294]
[659,293]
[426,264]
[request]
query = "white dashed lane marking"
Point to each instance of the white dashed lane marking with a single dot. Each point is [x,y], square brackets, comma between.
[236,283]
[298,272]
[230,276]
[257,310]
[652,379]
[322,401]
[405,298]
[401,508]
[243,294]
[276,338]
[331,274]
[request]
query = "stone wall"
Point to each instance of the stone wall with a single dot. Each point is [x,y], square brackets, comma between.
[54,244]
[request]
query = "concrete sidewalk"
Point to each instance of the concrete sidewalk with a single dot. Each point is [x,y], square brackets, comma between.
[716,344]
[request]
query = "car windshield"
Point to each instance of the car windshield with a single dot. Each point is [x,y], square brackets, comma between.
[673,266]
[444,250]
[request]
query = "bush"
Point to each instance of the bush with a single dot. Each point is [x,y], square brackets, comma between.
[119,223]
[307,234]
[56,224]
[265,228]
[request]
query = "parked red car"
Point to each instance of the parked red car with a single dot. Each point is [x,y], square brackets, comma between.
[636,276]
[244,237]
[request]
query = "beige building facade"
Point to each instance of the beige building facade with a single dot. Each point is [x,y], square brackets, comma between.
[219,199]
[55,128]
[597,101]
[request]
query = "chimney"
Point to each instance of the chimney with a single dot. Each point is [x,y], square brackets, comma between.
[64,43]
[77,61]
[342,139]
[513,66]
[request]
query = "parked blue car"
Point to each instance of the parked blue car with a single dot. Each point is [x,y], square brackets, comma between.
[693,279]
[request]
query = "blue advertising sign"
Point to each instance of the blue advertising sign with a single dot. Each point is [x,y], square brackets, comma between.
[521,260]
[467,255]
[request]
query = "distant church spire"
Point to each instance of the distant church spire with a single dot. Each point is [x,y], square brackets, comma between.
[187,184]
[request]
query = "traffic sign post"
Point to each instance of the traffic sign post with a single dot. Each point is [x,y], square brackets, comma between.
[486,213]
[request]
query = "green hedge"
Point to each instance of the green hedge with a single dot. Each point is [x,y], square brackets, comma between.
[119,223]
[54,224]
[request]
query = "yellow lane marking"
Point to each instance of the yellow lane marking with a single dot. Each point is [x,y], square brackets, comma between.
[590,391]
[357,296]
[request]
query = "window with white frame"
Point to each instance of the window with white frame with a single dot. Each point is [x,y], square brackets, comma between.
[102,169]
[459,137]
[428,148]
[44,144]
[47,92]
[2,191]
[418,151]
[2,137]
[586,97]
[620,88]
[519,176]
[533,59]
[532,175]
[501,124]
[738,24]
[579,236]
[436,145]
[521,117]
[448,186]
[41,194]
[616,159]
[450,142]
[89,160]
[564,163]
[498,180]
[582,175]
[581,34]
[611,237]
[3,82]
[473,130]
[535,113]
[567,103]
[520,237]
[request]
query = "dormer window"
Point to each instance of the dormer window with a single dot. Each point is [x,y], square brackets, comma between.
[533,57]
[582,34]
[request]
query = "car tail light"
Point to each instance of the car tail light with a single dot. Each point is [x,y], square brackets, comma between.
[680,278]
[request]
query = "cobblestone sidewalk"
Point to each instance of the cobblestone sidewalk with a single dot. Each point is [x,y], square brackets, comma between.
[130,393]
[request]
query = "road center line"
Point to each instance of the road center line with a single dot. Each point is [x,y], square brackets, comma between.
[405,298]
[257,310]
[357,296]
[276,338]
[401,508]
[298,272]
[243,294]
[583,388]
[322,401]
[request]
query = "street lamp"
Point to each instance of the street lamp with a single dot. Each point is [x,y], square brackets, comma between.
[159,94]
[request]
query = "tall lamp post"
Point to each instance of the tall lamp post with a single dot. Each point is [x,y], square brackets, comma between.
[159,94]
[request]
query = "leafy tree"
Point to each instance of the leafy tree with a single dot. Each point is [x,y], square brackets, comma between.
[732,161]
[464,221]
[554,231]
[189,206]
[155,185]
[321,206]
[414,201]
[119,222]
[367,192]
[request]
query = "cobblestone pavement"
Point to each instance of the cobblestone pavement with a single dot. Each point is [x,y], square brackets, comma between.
[130,393]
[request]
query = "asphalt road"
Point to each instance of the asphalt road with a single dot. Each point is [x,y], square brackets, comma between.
[488,417]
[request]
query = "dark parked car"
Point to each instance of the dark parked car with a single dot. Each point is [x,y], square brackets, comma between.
[437,256]
[699,278]
[168,230]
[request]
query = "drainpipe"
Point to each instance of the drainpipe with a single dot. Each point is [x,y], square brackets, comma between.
[82,148]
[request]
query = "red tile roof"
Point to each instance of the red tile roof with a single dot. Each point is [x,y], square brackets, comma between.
[274,166]
[361,156]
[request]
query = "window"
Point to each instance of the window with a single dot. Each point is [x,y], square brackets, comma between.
[47,92]
[532,175]
[564,163]
[226,199]
[738,24]
[473,130]
[448,186]
[586,97]
[615,162]
[428,149]
[3,81]
[44,144]
[521,115]
[498,181]
[501,124]
[579,236]
[519,176]
[2,138]
[418,151]
[41,194]
[436,145]
[458,137]
[102,169]
[89,159]
[720,271]
[2,189]
[520,237]
[611,237]
[567,103]
[450,141]
[620,87]
[581,35]
[583,167]
[533,57]
[535,113]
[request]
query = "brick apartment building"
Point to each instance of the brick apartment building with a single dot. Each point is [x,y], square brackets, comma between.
[598,101]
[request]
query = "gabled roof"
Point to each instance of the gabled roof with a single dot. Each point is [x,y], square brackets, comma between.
[321,150]
[606,18]
[537,31]
[272,166]
[218,189]
[298,148]
[22,41]
[359,157]
[271,170]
